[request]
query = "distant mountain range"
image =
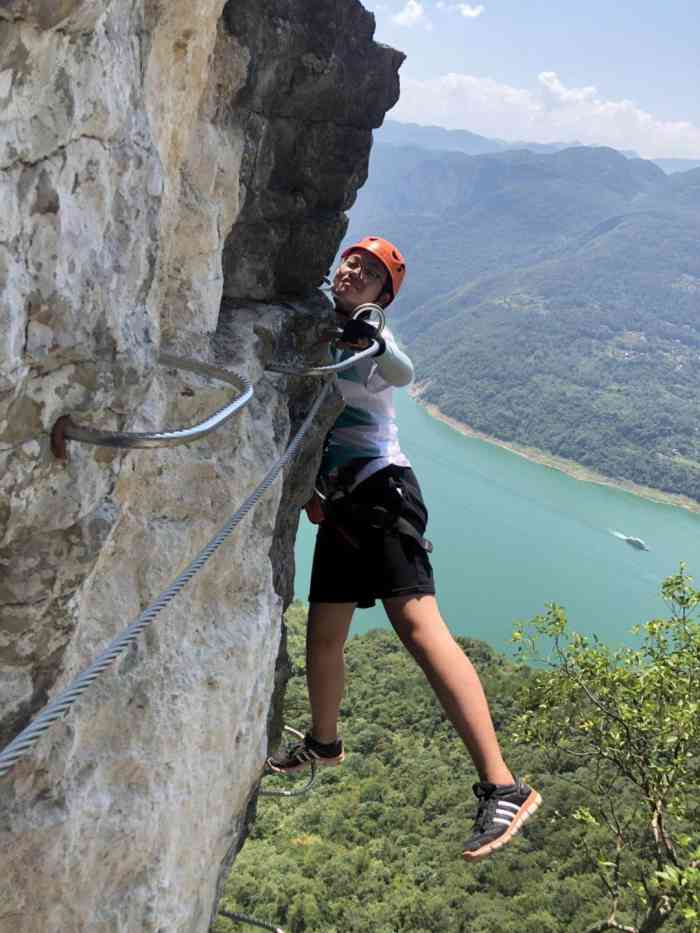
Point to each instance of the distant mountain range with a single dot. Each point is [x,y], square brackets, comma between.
[677,165]
[438,138]
[552,299]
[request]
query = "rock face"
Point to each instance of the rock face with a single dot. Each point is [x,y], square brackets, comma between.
[170,175]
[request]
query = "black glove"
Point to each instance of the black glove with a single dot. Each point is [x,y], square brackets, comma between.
[357,329]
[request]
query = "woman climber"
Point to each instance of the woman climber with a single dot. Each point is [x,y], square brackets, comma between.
[370,546]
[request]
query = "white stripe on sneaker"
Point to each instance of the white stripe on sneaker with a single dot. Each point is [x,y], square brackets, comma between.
[512,817]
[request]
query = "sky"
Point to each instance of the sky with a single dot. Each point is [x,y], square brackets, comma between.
[622,73]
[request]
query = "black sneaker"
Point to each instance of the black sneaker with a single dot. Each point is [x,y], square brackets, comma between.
[302,754]
[503,808]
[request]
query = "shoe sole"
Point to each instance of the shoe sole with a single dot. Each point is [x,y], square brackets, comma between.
[526,811]
[319,762]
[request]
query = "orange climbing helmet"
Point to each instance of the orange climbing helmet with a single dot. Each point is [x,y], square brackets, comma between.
[387,254]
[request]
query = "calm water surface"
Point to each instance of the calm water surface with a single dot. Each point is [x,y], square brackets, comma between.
[510,535]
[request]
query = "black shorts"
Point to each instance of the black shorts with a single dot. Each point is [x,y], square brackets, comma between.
[384,563]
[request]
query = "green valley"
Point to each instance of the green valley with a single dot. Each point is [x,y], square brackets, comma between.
[375,847]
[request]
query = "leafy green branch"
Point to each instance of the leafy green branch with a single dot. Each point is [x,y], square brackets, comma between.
[632,714]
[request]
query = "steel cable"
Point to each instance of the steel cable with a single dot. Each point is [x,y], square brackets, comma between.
[264,792]
[362,311]
[242,918]
[287,369]
[58,708]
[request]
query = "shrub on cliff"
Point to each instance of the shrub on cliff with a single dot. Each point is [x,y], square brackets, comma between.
[632,718]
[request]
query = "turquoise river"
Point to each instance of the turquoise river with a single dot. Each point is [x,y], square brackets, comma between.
[511,535]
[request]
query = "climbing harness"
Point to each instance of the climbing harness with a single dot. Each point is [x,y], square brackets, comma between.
[343,514]
[376,516]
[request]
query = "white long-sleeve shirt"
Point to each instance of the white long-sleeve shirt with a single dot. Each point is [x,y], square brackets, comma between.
[366,428]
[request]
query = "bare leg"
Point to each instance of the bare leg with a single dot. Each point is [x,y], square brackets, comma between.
[420,627]
[326,634]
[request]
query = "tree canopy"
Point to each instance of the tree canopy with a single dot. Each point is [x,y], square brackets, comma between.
[609,738]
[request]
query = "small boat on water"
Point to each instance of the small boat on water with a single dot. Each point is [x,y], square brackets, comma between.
[633,542]
[636,542]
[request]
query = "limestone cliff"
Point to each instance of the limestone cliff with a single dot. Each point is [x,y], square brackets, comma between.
[170,173]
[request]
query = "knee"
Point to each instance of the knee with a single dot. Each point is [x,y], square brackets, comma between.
[328,626]
[325,638]
[423,637]
[416,641]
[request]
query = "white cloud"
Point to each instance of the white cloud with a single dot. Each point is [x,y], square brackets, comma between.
[469,11]
[413,14]
[466,9]
[551,113]
[556,95]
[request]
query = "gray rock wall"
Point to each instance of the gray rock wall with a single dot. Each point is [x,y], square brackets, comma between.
[155,159]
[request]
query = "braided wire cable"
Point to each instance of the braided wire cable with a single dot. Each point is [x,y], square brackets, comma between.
[59,707]
[266,792]
[243,918]
[362,311]
[287,369]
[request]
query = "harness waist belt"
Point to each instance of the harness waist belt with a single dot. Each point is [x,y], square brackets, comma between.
[374,515]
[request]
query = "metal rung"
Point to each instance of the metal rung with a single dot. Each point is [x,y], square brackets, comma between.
[299,791]
[67,429]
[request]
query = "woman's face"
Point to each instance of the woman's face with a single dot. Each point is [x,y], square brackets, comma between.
[359,278]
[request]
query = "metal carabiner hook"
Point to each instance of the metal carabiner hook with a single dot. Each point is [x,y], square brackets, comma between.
[368,308]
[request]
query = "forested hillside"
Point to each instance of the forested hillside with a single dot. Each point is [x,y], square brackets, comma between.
[375,847]
[553,300]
